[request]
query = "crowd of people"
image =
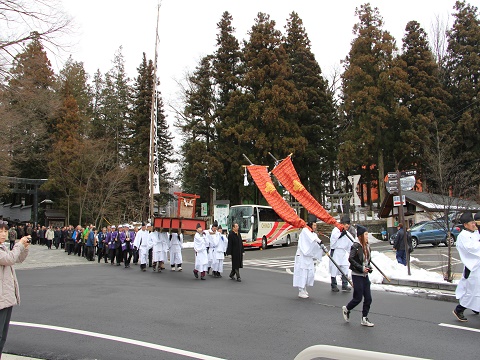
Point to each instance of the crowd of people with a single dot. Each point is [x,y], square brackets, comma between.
[141,244]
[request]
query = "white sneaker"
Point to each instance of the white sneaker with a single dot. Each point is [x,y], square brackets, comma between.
[179,269]
[346,314]
[366,322]
[302,294]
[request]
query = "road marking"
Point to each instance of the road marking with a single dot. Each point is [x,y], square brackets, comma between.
[459,327]
[442,266]
[119,339]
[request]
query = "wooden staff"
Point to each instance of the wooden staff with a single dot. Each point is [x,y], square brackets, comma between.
[334,263]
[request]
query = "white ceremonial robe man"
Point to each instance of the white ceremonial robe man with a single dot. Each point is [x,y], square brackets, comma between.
[201,257]
[304,269]
[220,243]
[340,245]
[468,288]
[210,243]
[159,245]
[141,243]
[176,246]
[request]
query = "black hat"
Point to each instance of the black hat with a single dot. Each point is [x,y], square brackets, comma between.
[345,219]
[143,223]
[361,230]
[466,217]
[215,223]
[477,216]
[198,226]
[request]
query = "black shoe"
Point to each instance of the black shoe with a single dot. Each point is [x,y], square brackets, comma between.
[239,279]
[475,312]
[347,288]
[459,316]
[335,289]
[232,277]
[202,278]
[196,274]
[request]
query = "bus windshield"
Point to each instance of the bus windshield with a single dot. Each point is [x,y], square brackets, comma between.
[241,215]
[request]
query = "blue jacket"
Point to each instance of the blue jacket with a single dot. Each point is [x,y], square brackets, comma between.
[91,239]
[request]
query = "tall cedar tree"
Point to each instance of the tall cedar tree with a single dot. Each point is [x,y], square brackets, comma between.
[139,143]
[372,82]
[318,122]
[114,108]
[31,103]
[463,72]
[199,149]
[226,75]
[263,112]
[427,100]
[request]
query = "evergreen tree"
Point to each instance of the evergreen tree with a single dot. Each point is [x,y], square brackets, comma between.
[373,82]
[30,104]
[197,125]
[139,143]
[226,77]
[263,111]
[318,122]
[463,79]
[114,108]
[426,100]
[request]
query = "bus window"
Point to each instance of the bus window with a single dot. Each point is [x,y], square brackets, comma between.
[267,214]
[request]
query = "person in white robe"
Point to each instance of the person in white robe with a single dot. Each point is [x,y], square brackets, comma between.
[201,257]
[220,243]
[340,245]
[176,246]
[308,249]
[468,288]
[210,243]
[159,244]
[141,243]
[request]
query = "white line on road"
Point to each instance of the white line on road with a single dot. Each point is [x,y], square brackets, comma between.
[459,327]
[119,339]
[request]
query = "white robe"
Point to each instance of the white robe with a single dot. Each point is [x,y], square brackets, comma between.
[141,243]
[220,243]
[209,243]
[176,246]
[468,290]
[307,250]
[201,257]
[158,241]
[341,247]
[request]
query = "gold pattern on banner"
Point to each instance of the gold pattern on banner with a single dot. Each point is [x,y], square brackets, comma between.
[297,186]
[269,188]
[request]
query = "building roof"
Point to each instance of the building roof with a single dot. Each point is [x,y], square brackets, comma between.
[429,203]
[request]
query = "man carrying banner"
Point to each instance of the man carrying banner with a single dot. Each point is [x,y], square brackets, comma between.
[340,246]
[307,250]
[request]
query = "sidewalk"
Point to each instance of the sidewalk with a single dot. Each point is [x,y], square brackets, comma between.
[16,357]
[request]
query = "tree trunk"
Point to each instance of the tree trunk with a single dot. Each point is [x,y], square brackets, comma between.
[381,178]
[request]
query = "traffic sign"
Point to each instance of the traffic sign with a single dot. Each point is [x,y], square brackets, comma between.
[396,200]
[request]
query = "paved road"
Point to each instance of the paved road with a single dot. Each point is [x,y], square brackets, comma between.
[98,311]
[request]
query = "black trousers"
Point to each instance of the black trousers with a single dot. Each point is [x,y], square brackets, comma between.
[235,272]
[127,256]
[150,257]
[5,315]
[78,249]
[135,256]
[361,289]
[111,255]
[119,255]
[89,252]
[100,253]
[70,246]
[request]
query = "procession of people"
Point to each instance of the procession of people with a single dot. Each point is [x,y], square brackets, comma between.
[350,254]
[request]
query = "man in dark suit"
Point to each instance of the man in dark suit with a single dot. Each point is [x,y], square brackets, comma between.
[235,249]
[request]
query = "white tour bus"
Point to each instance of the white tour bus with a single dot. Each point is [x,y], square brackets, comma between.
[260,226]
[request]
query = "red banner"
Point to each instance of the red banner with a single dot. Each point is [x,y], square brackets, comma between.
[287,175]
[274,199]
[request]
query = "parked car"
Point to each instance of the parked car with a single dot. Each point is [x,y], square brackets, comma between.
[433,232]
[430,232]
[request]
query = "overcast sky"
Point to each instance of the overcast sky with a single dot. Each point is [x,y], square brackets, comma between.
[188,29]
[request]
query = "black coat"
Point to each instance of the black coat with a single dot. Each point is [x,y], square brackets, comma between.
[399,241]
[235,249]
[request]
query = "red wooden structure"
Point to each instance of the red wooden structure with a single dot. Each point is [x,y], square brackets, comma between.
[186,204]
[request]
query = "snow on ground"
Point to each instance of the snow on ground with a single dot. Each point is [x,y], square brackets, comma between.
[392,269]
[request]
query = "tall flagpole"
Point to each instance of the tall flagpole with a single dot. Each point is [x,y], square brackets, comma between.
[153,164]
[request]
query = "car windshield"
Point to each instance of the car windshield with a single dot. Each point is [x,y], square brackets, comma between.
[416,227]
